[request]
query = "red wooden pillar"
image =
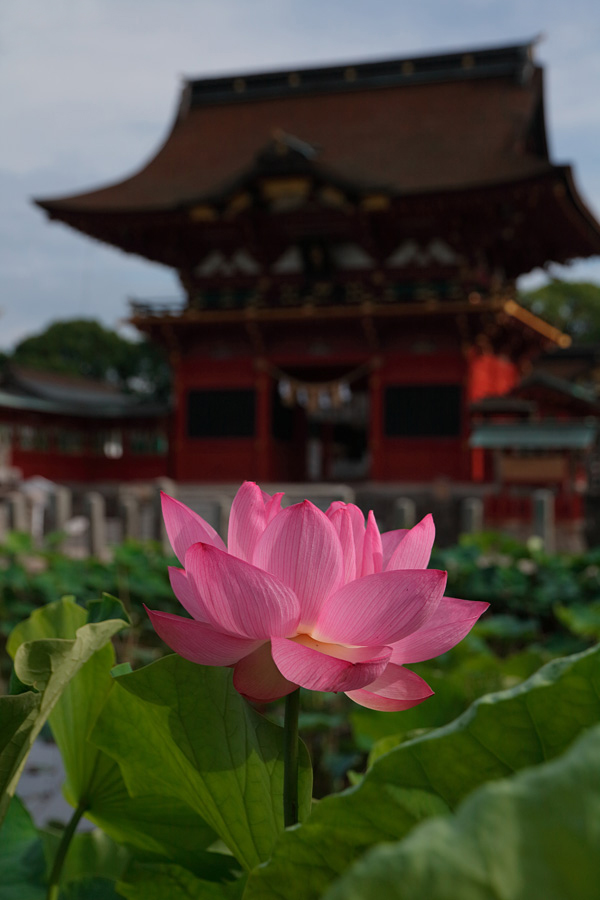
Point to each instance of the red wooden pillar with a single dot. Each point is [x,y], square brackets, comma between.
[263,449]
[376,426]
[178,421]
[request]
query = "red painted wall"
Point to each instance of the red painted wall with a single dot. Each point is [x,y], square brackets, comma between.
[419,459]
[86,468]
[490,376]
[87,463]
[411,459]
[216,459]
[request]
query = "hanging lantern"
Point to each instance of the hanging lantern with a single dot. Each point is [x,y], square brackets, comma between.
[286,392]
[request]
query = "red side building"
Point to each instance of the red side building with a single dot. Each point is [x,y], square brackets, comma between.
[77,431]
[347,240]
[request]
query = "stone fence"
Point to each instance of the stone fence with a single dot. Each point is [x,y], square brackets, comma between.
[93,521]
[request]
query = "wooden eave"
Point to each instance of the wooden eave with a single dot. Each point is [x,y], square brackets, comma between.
[495,307]
[544,329]
[311,311]
[483,324]
[521,224]
[450,141]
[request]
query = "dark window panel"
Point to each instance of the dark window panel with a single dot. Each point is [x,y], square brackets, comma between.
[423,410]
[217,414]
[282,418]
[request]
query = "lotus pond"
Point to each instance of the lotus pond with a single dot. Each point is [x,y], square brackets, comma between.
[490,788]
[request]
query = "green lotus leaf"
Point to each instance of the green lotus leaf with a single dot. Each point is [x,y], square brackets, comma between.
[157,882]
[535,836]
[22,864]
[92,856]
[150,823]
[429,775]
[92,867]
[47,664]
[182,730]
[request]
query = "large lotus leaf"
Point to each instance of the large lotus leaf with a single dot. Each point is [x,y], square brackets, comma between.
[154,824]
[22,865]
[583,619]
[81,700]
[90,889]
[157,882]
[18,716]
[47,664]
[92,866]
[458,679]
[92,854]
[59,619]
[160,825]
[535,836]
[182,730]
[498,735]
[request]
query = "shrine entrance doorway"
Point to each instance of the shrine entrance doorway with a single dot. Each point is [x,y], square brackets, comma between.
[321,425]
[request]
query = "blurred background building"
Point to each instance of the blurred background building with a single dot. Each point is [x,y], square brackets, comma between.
[348,241]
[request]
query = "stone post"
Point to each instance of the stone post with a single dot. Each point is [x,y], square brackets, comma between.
[60,507]
[543,518]
[96,510]
[18,518]
[404,514]
[130,509]
[472,515]
[3,521]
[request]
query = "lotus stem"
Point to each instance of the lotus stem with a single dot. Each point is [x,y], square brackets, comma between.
[65,841]
[290,758]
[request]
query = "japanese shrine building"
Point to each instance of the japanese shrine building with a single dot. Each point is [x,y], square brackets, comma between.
[73,430]
[348,240]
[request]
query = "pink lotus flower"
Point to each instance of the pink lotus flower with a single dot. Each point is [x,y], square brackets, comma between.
[303,597]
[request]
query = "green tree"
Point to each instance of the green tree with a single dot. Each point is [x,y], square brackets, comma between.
[83,347]
[574,307]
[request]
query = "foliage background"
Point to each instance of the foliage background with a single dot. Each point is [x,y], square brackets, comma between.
[85,348]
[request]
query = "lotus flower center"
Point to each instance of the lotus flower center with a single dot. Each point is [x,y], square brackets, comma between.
[340,651]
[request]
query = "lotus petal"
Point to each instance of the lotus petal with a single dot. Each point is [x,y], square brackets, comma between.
[414,550]
[239,598]
[185,527]
[247,520]
[199,642]
[389,542]
[372,556]
[381,608]
[187,596]
[257,677]
[395,690]
[450,623]
[317,670]
[341,519]
[272,505]
[301,548]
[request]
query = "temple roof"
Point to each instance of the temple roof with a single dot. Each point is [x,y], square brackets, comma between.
[461,128]
[30,389]
[412,125]
[535,435]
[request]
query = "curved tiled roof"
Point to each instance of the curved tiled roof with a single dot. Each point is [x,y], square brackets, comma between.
[24,388]
[406,126]
[456,138]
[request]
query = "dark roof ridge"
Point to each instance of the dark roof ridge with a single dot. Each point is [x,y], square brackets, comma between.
[512,60]
[561,385]
[34,376]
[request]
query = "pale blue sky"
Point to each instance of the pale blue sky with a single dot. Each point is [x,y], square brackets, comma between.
[88,89]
